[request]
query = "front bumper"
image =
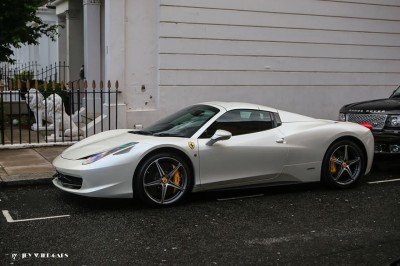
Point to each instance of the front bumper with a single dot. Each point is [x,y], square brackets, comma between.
[387,141]
[100,179]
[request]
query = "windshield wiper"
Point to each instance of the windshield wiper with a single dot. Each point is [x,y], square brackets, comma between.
[161,134]
[142,132]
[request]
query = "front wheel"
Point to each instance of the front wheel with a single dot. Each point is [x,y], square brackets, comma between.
[343,164]
[163,179]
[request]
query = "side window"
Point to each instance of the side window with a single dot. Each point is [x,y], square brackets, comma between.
[240,122]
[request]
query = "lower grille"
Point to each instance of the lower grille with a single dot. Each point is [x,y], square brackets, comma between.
[376,120]
[69,181]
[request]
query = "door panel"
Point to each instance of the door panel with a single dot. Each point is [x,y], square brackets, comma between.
[243,159]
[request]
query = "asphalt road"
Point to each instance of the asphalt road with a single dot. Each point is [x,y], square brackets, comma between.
[295,225]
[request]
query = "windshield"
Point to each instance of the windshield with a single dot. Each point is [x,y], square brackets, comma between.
[396,93]
[183,123]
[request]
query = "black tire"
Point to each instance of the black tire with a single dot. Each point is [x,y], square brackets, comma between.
[343,164]
[162,180]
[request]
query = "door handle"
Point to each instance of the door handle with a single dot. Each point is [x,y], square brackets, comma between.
[282,140]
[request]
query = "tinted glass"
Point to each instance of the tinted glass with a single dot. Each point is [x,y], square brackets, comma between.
[183,123]
[396,93]
[240,122]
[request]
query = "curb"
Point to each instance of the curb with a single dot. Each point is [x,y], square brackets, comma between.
[26,182]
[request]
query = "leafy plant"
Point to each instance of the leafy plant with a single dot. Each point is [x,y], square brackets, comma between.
[24,75]
[20,25]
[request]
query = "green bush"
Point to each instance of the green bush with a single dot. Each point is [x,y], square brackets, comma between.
[24,76]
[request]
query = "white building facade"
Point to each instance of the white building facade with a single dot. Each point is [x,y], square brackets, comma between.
[42,55]
[305,56]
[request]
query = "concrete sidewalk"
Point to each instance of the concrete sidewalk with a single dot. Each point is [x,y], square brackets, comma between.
[28,165]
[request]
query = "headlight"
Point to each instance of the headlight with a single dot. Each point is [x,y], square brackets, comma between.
[342,117]
[117,150]
[393,121]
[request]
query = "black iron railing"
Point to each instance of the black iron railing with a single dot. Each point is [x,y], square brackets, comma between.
[10,73]
[56,112]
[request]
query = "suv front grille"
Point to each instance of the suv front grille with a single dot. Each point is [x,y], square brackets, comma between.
[376,120]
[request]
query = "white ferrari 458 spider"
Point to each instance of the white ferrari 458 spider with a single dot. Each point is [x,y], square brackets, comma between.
[215,145]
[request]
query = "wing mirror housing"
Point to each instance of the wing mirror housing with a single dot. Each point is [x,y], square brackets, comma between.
[219,135]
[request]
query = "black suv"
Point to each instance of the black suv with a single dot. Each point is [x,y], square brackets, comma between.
[382,116]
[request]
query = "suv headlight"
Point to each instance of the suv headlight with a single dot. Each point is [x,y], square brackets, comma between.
[393,121]
[342,117]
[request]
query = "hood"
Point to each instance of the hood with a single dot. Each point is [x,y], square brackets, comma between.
[375,106]
[101,142]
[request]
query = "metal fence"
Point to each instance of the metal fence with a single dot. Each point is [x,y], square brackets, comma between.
[56,112]
[10,73]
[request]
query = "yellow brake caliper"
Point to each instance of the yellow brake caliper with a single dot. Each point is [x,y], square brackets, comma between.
[177,178]
[332,167]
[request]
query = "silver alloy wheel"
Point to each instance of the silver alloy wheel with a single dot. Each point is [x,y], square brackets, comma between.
[345,164]
[165,180]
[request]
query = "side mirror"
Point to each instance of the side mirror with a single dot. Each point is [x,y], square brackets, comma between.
[219,135]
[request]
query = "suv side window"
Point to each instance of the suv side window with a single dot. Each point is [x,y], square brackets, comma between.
[240,122]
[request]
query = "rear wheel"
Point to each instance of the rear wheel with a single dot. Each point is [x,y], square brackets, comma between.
[343,165]
[163,179]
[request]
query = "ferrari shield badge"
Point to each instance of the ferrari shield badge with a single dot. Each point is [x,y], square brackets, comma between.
[191,145]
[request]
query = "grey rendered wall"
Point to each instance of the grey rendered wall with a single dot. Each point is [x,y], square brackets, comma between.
[305,56]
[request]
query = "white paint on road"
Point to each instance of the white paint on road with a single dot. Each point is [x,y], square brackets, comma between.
[313,235]
[384,181]
[9,219]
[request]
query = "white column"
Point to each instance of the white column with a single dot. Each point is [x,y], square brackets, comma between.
[115,54]
[61,43]
[92,50]
[74,42]
[114,24]
[91,29]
